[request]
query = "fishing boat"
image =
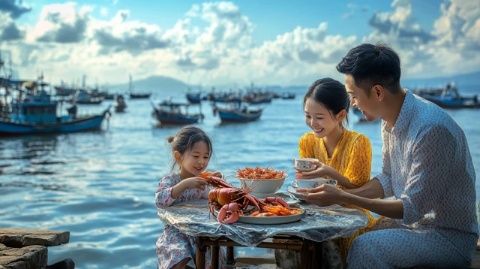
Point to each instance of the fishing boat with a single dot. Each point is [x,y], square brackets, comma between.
[237,112]
[173,113]
[37,114]
[140,95]
[194,97]
[287,95]
[120,105]
[27,108]
[136,95]
[448,97]
[87,97]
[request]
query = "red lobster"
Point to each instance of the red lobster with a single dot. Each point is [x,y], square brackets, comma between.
[232,202]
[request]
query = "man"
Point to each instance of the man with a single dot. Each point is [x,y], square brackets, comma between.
[427,171]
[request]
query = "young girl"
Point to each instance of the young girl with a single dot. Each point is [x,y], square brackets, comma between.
[191,149]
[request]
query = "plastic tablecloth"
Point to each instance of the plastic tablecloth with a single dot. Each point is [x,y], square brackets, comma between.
[318,224]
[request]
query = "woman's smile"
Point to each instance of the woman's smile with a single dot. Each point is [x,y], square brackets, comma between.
[318,131]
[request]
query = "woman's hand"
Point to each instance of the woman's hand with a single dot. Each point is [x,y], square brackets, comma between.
[320,170]
[323,195]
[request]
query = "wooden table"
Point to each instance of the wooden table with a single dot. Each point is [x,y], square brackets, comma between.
[319,224]
[310,251]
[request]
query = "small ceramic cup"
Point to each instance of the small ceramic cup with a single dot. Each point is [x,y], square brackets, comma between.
[304,164]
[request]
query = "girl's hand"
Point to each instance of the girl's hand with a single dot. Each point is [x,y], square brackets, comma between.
[320,170]
[218,174]
[194,183]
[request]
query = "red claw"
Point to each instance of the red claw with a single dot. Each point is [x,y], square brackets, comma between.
[229,213]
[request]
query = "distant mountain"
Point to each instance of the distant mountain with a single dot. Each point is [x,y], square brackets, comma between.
[163,84]
[152,84]
[462,81]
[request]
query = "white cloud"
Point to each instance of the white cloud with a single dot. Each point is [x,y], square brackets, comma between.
[450,48]
[62,23]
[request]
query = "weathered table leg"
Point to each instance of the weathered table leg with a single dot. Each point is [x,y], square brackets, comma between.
[230,257]
[200,253]
[306,255]
[215,249]
[317,254]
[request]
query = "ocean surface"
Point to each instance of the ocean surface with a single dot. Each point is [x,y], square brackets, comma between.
[100,185]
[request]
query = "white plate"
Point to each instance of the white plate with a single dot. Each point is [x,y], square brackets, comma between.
[313,182]
[271,220]
[298,195]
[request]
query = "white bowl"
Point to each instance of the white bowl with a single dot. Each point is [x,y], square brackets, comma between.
[262,187]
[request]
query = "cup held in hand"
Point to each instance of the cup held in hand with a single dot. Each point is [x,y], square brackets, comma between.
[305,164]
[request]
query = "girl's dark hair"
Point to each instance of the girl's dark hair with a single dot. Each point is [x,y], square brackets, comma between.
[329,92]
[186,138]
[372,64]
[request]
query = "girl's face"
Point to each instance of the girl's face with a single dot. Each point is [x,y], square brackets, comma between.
[320,119]
[194,161]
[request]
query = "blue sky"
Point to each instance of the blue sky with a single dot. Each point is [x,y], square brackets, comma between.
[233,42]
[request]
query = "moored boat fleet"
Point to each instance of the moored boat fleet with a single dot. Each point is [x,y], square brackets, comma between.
[230,106]
[447,97]
[37,107]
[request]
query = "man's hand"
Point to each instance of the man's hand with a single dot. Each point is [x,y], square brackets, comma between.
[323,195]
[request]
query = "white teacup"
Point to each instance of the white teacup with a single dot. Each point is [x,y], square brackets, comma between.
[305,164]
[313,183]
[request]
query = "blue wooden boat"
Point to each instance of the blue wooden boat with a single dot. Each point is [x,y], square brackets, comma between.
[237,113]
[448,97]
[449,101]
[37,114]
[172,113]
[194,97]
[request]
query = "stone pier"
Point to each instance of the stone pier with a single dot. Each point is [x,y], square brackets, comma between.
[27,248]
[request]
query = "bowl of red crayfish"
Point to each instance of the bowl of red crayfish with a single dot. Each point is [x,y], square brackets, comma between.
[261,182]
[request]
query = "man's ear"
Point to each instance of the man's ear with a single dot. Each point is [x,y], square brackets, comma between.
[177,155]
[379,92]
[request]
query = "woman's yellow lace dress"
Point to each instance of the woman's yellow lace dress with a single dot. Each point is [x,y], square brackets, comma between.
[352,157]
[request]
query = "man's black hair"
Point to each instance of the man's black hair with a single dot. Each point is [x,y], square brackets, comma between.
[372,64]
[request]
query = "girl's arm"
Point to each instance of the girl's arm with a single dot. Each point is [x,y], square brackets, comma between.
[163,195]
[178,189]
